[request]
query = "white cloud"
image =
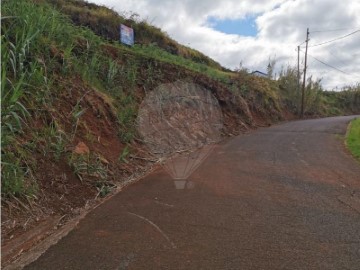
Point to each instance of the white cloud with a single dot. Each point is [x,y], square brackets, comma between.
[281,27]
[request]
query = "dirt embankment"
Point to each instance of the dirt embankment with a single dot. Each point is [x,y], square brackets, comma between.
[89,160]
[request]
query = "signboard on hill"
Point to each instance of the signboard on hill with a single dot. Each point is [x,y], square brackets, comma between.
[126,35]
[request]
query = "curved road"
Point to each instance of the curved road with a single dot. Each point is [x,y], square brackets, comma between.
[284,197]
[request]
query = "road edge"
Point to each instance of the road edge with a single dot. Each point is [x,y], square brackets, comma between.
[47,238]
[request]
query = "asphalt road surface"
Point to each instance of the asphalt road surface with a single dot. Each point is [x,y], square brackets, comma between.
[284,197]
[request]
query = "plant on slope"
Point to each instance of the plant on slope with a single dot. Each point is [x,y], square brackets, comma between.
[353,138]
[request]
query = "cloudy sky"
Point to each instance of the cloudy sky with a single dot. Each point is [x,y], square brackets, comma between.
[252,31]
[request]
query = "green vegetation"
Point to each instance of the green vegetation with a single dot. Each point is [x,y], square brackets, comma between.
[38,45]
[24,84]
[262,93]
[42,52]
[318,102]
[55,53]
[87,165]
[105,23]
[353,138]
[157,53]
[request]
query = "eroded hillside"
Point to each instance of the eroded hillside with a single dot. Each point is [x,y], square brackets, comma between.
[70,100]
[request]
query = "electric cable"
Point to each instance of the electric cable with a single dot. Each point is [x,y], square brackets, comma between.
[329,41]
[332,30]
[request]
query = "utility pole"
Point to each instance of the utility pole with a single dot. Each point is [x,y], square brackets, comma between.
[298,75]
[304,80]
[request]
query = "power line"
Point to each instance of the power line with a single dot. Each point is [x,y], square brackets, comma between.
[341,61]
[302,43]
[329,41]
[331,30]
[328,65]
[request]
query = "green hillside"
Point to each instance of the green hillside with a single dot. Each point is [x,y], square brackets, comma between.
[47,45]
[105,23]
[70,94]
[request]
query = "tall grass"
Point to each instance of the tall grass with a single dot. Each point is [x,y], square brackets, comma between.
[27,33]
[40,45]
[161,55]
[20,74]
[318,101]
[105,23]
[353,138]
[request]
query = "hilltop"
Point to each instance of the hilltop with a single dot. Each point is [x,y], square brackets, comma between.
[105,22]
[71,93]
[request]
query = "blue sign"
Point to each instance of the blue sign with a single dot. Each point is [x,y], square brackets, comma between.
[126,35]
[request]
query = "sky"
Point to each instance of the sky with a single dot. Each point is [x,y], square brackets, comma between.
[251,32]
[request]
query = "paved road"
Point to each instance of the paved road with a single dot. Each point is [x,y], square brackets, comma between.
[284,197]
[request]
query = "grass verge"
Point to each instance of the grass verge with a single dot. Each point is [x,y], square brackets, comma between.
[353,138]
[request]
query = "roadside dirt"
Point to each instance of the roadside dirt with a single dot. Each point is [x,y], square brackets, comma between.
[61,193]
[86,116]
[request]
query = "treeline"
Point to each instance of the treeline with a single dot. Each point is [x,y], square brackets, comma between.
[317,100]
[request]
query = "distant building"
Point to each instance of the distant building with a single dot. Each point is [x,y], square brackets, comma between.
[259,74]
